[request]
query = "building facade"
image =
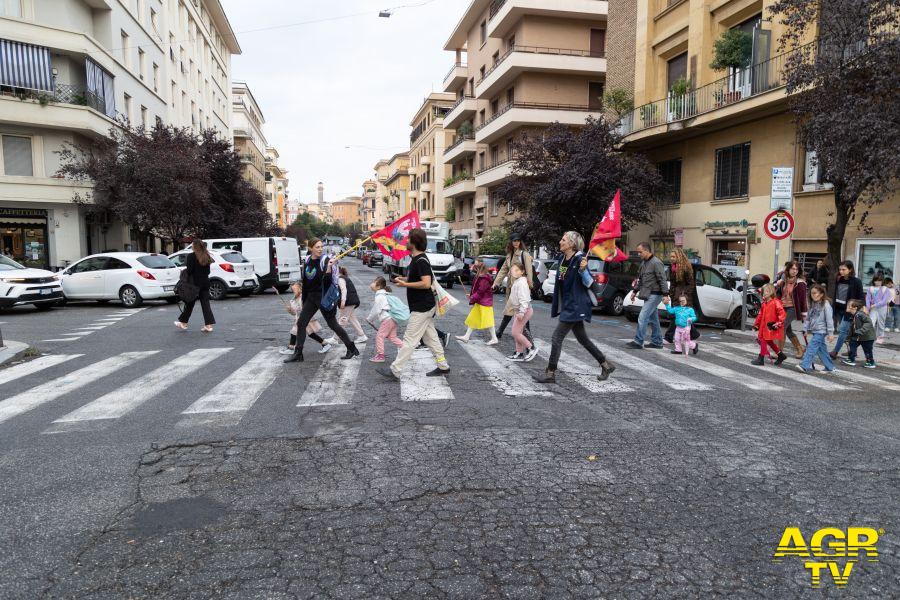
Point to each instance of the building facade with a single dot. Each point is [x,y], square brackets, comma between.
[716,137]
[426,156]
[249,139]
[397,187]
[70,69]
[346,211]
[519,66]
[276,188]
[367,206]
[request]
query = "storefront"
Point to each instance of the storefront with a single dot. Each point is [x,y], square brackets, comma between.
[23,236]
[728,246]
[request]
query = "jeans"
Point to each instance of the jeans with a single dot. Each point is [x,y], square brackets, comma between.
[817,346]
[203,297]
[867,349]
[649,314]
[843,332]
[893,318]
[560,333]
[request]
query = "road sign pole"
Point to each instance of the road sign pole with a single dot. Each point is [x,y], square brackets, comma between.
[777,251]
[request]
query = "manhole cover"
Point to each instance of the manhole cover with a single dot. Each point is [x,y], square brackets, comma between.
[183,513]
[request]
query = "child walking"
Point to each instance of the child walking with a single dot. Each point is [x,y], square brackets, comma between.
[684,317]
[520,298]
[862,333]
[347,308]
[770,325]
[893,318]
[481,298]
[819,324]
[878,299]
[312,330]
[380,318]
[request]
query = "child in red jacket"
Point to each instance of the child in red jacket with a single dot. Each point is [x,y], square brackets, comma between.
[770,325]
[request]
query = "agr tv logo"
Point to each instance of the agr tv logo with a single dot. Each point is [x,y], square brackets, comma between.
[834,550]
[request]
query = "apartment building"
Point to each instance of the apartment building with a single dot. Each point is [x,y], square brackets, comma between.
[716,137]
[367,206]
[249,139]
[346,211]
[519,66]
[68,70]
[392,190]
[427,142]
[276,193]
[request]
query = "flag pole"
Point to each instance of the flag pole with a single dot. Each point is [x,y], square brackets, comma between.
[349,250]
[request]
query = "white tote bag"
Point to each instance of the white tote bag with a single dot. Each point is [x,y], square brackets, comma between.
[443,300]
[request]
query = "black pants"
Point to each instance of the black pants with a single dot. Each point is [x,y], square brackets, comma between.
[313,336]
[203,297]
[560,333]
[506,320]
[867,347]
[309,310]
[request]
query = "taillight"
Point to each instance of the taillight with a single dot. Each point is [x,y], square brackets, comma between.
[146,275]
[493,270]
[600,278]
[227,267]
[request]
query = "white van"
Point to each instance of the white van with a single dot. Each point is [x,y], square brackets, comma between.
[276,260]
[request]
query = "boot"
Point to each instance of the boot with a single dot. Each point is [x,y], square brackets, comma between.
[549,377]
[781,358]
[295,357]
[798,348]
[352,352]
[606,369]
[758,361]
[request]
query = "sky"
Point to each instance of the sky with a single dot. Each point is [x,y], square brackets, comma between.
[355,81]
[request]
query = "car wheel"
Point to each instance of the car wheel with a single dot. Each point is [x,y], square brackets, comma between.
[617,305]
[734,321]
[130,297]
[172,300]
[217,290]
[43,307]
[631,317]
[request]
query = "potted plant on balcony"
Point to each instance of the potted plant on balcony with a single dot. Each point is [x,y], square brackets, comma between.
[731,52]
[648,114]
[464,130]
[680,100]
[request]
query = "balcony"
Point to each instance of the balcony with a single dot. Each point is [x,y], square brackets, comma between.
[491,175]
[425,160]
[65,107]
[518,59]
[457,76]
[426,187]
[463,146]
[505,14]
[459,186]
[463,110]
[523,114]
[742,92]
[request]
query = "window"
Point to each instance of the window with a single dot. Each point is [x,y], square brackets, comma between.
[174,93]
[156,261]
[115,263]
[670,172]
[727,255]
[598,42]
[496,58]
[495,204]
[126,53]
[17,157]
[154,21]
[155,77]
[11,8]
[877,258]
[510,96]
[495,106]
[179,260]
[713,278]
[142,62]
[481,72]
[511,42]
[595,95]
[482,32]
[145,117]
[732,171]
[128,109]
[495,155]
[140,10]
[676,69]
[89,264]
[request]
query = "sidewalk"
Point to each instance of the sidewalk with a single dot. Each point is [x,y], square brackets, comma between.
[11,351]
[888,352]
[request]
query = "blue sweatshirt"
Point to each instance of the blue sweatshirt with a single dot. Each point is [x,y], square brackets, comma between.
[682,314]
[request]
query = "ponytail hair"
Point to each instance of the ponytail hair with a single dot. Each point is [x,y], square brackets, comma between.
[381,284]
[343,272]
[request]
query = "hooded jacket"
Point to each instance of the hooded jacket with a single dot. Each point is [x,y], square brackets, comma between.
[571,302]
[771,311]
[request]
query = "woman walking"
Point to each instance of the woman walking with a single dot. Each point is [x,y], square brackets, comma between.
[770,325]
[481,298]
[681,283]
[348,305]
[572,305]
[819,324]
[197,268]
[312,330]
[791,290]
[847,288]
[380,318]
[319,275]
[878,298]
[516,254]
[520,297]
[893,318]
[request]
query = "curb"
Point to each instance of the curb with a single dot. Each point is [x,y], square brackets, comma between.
[12,350]
[736,333]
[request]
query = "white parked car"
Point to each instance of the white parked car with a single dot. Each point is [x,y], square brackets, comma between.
[276,260]
[131,277]
[22,285]
[230,273]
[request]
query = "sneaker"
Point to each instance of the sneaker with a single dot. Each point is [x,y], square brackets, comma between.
[654,346]
[606,369]
[387,374]
[531,353]
[181,326]
[896,329]
[517,357]
[284,351]
[880,340]
[332,341]
[438,372]
[635,345]
[674,351]
[829,370]
[802,368]
[492,342]
[696,349]
[378,358]
[870,364]
[325,348]
[361,339]
[547,377]
[848,362]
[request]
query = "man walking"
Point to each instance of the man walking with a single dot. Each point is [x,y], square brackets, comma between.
[422,308]
[651,288]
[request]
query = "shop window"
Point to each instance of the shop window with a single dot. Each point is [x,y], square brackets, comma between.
[877,258]
[670,173]
[17,157]
[730,256]
[732,171]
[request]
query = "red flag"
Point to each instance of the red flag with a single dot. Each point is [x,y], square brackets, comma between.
[392,239]
[608,230]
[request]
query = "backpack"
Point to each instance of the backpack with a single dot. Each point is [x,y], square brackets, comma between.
[397,310]
[185,290]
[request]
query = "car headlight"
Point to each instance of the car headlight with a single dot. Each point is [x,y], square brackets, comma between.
[12,280]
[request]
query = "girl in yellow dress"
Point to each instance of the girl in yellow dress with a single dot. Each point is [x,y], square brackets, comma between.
[481,298]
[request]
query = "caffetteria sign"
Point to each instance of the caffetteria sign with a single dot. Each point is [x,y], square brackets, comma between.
[829,550]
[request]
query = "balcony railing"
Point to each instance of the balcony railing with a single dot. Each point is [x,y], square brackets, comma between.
[458,65]
[499,163]
[739,85]
[535,105]
[459,101]
[539,50]
[496,5]
[459,140]
[62,94]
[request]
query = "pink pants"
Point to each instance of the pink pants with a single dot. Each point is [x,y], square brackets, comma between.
[388,329]
[683,336]
[518,327]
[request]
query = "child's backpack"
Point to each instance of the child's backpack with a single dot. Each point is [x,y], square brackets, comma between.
[397,310]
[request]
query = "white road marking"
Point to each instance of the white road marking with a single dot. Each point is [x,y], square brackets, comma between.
[582,373]
[68,339]
[109,321]
[128,397]
[33,366]
[791,373]
[51,390]
[90,328]
[696,362]
[334,382]
[506,376]
[415,387]
[649,370]
[241,389]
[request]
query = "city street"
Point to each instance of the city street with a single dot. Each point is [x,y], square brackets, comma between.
[139,461]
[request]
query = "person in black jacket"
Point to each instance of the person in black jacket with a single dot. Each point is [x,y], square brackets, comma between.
[819,274]
[847,288]
[197,267]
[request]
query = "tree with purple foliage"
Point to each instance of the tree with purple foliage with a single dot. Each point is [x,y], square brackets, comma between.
[843,95]
[565,179]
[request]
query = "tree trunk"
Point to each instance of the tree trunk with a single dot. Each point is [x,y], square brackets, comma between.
[836,233]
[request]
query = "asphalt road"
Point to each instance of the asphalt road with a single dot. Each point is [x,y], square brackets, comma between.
[138,461]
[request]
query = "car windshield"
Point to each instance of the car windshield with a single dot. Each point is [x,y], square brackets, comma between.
[156,262]
[8,264]
[489,261]
[234,257]
[439,247]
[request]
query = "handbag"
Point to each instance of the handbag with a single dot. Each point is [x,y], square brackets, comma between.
[330,299]
[443,300]
[185,289]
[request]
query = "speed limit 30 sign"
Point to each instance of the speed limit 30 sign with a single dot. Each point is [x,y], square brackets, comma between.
[779,224]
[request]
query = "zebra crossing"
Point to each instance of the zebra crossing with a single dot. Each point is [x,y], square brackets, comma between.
[98,324]
[334,383]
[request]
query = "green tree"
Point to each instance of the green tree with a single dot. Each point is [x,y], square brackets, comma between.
[495,241]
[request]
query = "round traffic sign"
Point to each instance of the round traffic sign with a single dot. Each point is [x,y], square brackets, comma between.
[779,224]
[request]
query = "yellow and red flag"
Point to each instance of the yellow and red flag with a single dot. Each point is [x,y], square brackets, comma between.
[608,230]
[392,239]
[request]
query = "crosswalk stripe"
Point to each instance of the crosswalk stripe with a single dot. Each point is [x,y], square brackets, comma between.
[792,374]
[415,387]
[506,376]
[128,397]
[33,366]
[242,388]
[696,362]
[648,369]
[334,382]
[68,339]
[51,390]
[582,373]
[90,328]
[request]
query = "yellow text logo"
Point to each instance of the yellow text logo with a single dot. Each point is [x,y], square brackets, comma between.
[829,550]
